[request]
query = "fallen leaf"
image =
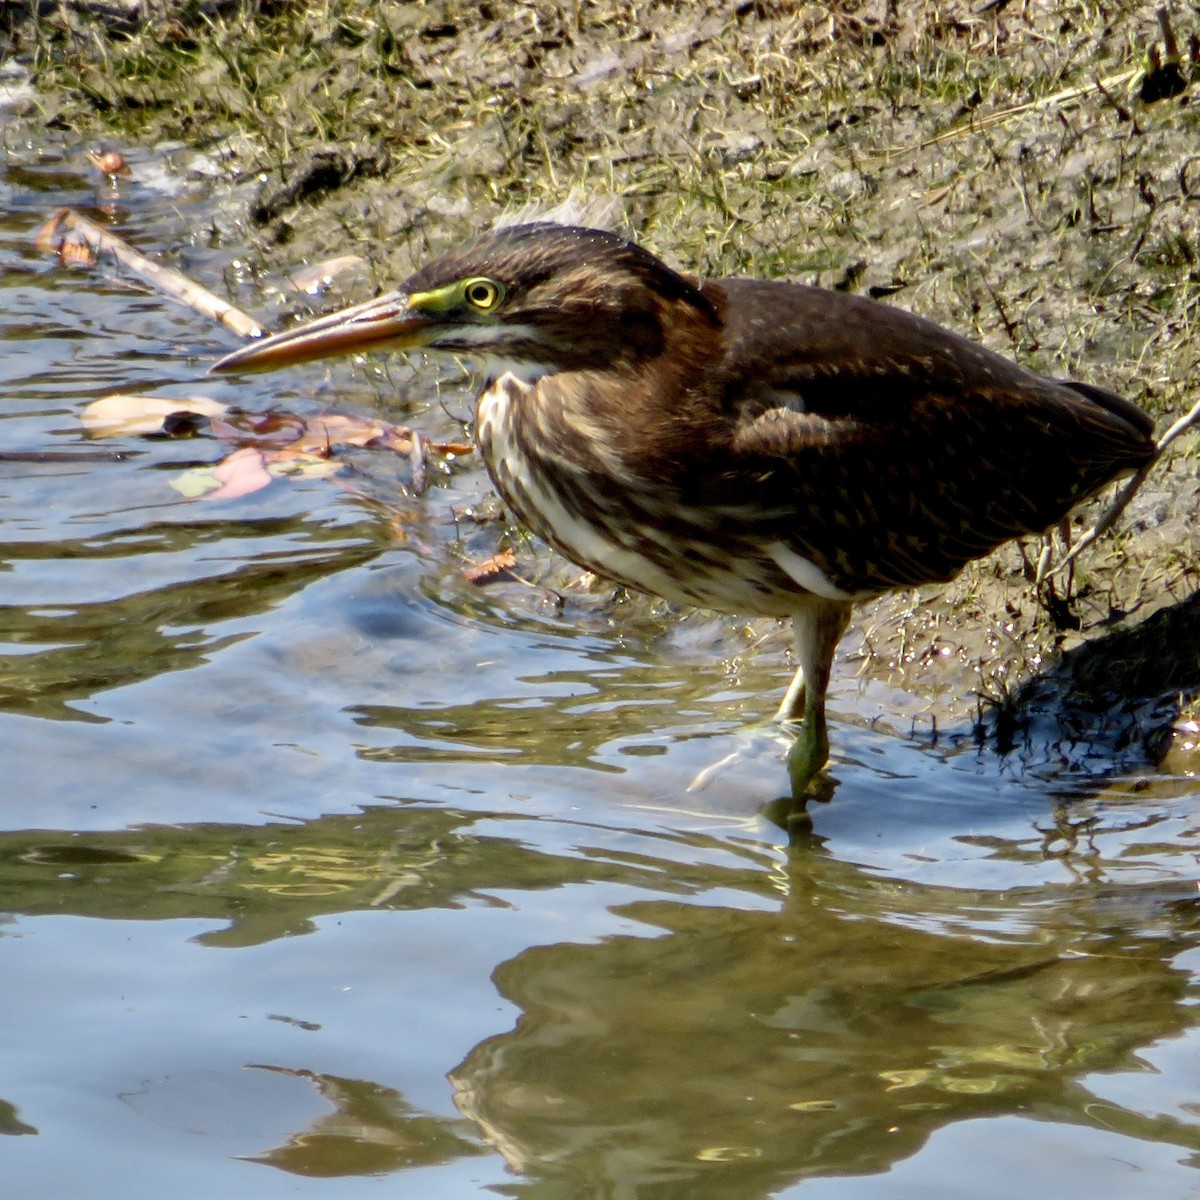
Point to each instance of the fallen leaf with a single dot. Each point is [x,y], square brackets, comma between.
[335,429]
[298,465]
[121,415]
[272,428]
[499,566]
[399,438]
[455,448]
[75,254]
[240,473]
[195,482]
[248,469]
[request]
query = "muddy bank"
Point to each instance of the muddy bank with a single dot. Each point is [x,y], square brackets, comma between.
[1023,173]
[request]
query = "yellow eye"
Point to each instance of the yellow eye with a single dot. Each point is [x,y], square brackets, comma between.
[483,294]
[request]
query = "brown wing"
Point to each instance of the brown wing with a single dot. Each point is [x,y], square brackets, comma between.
[891,451]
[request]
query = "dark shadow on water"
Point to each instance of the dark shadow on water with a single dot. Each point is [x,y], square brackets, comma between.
[1113,697]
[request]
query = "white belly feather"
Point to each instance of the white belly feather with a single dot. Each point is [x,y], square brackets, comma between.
[734,585]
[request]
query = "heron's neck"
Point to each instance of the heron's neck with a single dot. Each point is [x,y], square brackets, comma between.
[493,368]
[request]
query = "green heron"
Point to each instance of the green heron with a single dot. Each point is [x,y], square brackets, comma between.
[756,447]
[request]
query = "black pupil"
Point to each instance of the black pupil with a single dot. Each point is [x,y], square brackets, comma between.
[481,293]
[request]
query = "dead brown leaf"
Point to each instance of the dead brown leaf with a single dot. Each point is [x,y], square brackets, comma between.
[267,429]
[121,415]
[337,429]
[75,254]
[498,567]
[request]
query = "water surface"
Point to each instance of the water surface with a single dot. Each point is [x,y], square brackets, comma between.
[322,868]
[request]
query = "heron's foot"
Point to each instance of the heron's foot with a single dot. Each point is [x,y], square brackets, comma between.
[808,755]
[791,813]
[806,760]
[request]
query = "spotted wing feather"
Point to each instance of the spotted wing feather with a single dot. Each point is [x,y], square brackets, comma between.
[890,451]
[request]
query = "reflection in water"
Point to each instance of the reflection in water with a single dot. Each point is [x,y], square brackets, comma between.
[10,1123]
[372,1130]
[53,655]
[571,723]
[763,1017]
[734,1049]
[749,1018]
[740,1051]
[276,881]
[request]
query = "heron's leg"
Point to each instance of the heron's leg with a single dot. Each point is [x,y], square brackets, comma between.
[791,707]
[817,629]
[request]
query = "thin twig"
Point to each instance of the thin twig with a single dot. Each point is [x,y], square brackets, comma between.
[1064,99]
[1181,426]
[168,281]
[1127,493]
[1170,45]
[1110,515]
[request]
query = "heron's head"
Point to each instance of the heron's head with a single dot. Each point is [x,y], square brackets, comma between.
[532,299]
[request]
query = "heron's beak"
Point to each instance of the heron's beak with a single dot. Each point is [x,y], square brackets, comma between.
[385,323]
